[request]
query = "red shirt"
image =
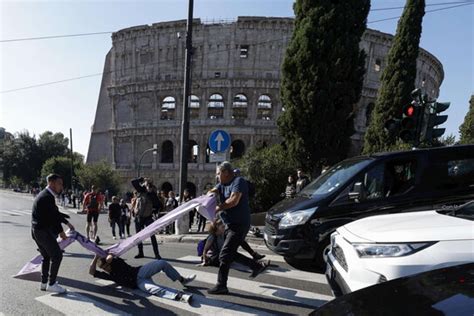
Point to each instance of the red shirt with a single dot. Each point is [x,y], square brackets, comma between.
[87,200]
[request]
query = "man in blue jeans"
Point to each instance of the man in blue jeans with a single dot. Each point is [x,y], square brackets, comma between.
[115,269]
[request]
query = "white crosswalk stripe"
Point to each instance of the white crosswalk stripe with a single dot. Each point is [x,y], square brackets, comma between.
[274,271]
[15,212]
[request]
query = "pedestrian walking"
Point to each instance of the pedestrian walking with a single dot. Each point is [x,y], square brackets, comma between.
[92,204]
[125,218]
[302,180]
[46,225]
[115,214]
[290,190]
[117,270]
[144,204]
[234,211]
[201,223]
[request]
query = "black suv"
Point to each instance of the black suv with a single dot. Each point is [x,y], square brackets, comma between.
[358,187]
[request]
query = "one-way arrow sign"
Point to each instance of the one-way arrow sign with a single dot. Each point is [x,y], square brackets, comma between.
[219,141]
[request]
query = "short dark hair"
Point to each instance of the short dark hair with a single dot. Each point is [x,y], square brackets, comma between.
[53,177]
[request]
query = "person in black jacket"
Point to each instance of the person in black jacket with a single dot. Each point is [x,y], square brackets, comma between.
[147,204]
[46,225]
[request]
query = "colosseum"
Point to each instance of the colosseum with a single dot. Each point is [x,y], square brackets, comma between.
[235,87]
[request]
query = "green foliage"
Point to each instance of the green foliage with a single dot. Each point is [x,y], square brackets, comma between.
[268,169]
[466,130]
[101,175]
[322,77]
[53,145]
[398,77]
[61,166]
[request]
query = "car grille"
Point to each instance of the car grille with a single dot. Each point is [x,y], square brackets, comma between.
[339,255]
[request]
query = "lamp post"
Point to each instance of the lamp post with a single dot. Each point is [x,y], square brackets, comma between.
[155,151]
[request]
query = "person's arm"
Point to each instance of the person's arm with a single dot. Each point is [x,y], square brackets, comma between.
[232,201]
[136,183]
[93,265]
[85,202]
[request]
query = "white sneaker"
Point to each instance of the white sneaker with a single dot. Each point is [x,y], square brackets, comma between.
[188,279]
[184,297]
[56,288]
[114,237]
[43,286]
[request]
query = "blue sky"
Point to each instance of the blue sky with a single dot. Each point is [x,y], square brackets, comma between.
[448,34]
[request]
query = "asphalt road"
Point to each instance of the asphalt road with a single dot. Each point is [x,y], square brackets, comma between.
[280,290]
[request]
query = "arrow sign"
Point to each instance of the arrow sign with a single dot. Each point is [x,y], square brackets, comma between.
[219,141]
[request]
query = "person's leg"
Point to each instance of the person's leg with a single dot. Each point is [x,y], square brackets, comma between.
[148,286]
[138,227]
[252,264]
[46,260]
[88,226]
[112,224]
[95,219]
[252,252]
[154,243]
[51,248]
[156,266]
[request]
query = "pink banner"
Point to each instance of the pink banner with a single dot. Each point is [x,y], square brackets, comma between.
[206,205]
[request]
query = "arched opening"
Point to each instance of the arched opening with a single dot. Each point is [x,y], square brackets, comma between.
[239,107]
[191,188]
[168,108]
[167,152]
[237,149]
[194,105]
[368,113]
[215,107]
[193,152]
[166,186]
[264,108]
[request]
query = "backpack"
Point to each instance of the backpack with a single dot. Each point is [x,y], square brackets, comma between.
[93,202]
[144,206]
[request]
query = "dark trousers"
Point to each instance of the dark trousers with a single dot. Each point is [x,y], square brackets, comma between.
[116,221]
[125,221]
[52,255]
[140,223]
[201,223]
[234,236]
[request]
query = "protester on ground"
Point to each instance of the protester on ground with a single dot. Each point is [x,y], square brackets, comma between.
[235,213]
[115,214]
[302,180]
[46,225]
[290,190]
[125,217]
[117,270]
[146,197]
[92,205]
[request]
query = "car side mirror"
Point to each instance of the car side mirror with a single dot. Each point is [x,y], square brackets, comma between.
[358,192]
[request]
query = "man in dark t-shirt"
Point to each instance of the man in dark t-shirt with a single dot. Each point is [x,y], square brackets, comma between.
[117,270]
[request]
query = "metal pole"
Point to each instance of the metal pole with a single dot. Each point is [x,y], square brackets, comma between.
[72,162]
[140,161]
[183,171]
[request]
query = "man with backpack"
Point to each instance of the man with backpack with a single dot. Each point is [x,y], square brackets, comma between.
[92,205]
[147,203]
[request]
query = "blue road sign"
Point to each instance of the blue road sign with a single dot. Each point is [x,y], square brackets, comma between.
[219,141]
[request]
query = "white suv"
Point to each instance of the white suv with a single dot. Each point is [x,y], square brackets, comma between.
[380,248]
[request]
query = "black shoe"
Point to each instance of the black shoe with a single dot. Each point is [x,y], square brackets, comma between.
[140,255]
[218,289]
[97,240]
[258,256]
[263,266]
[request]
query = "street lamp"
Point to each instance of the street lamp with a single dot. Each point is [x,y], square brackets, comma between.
[155,151]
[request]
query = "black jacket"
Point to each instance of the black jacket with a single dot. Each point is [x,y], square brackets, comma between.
[46,215]
[153,196]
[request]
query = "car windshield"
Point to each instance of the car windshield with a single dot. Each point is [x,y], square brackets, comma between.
[466,211]
[335,177]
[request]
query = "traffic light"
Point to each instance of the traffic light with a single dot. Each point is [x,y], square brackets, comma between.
[409,123]
[432,119]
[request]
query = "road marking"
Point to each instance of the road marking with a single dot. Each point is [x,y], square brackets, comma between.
[273,258]
[264,289]
[274,271]
[199,304]
[12,213]
[77,304]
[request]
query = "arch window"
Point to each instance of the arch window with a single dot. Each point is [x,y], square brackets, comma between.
[378,65]
[194,105]
[264,108]
[239,107]
[167,152]
[166,187]
[193,153]
[237,149]
[215,107]
[168,108]
[368,113]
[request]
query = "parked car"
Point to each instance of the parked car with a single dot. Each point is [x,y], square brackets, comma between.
[380,248]
[446,291]
[385,183]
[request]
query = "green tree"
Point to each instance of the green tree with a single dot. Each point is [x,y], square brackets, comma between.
[52,145]
[398,77]
[466,130]
[322,77]
[61,166]
[101,175]
[268,169]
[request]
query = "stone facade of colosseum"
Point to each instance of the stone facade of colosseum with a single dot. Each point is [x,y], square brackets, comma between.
[236,78]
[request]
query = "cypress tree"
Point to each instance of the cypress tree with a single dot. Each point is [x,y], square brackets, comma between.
[322,77]
[466,130]
[398,77]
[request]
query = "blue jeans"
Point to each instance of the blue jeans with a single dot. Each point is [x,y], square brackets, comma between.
[146,284]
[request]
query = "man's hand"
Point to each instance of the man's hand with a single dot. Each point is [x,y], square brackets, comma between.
[63,235]
[71,227]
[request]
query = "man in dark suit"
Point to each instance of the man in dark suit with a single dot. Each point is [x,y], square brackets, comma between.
[45,227]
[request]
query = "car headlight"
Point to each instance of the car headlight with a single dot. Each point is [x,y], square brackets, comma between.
[389,250]
[296,218]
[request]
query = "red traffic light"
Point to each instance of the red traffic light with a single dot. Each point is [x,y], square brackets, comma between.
[409,110]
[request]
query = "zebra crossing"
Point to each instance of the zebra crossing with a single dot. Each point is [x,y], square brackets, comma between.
[268,294]
[27,212]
